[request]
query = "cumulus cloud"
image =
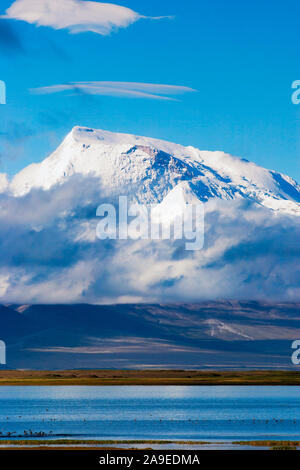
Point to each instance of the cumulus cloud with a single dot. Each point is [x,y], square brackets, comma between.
[50,254]
[126,89]
[75,15]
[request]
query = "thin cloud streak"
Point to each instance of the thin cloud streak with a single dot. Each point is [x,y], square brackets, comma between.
[121,89]
[75,15]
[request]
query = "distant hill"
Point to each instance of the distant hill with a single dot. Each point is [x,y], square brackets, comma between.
[208,335]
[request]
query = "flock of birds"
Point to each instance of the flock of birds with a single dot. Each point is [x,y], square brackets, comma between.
[28,433]
[31,433]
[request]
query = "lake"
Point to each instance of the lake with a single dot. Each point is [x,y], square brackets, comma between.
[213,413]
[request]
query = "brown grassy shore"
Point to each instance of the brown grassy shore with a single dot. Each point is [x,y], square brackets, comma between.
[148,377]
[76,444]
[268,443]
[64,444]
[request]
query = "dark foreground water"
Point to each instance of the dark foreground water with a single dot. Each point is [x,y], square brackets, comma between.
[175,413]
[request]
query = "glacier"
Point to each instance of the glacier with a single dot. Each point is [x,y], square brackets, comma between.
[149,169]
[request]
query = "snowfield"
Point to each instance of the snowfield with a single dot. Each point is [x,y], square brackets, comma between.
[149,169]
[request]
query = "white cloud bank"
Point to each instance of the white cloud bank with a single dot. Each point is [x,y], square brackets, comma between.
[127,89]
[49,254]
[75,15]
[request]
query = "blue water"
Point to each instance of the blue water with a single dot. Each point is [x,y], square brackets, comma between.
[181,413]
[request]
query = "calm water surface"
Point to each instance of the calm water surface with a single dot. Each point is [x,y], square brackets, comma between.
[181,413]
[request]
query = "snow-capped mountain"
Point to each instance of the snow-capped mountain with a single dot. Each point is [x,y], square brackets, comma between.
[48,230]
[150,169]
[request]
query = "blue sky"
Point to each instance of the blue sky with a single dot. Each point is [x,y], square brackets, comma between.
[241,57]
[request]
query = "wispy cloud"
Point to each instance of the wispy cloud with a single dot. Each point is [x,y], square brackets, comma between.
[75,15]
[126,89]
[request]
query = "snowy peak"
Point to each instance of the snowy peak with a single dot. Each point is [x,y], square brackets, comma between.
[175,203]
[180,196]
[150,169]
[92,136]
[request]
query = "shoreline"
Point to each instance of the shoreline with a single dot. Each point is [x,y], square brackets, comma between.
[65,444]
[149,378]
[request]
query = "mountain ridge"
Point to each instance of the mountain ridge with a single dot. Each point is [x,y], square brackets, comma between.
[224,334]
[151,168]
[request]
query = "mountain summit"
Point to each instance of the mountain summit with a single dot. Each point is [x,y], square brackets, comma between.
[48,230]
[150,169]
